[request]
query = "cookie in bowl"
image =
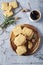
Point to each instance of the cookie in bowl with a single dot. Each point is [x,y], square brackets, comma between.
[20,40]
[21,50]
[27,32]
[25,39]
[30,45]
[17,30]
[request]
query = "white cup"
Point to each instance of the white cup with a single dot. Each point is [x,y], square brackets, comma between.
[37,18]
[30,11]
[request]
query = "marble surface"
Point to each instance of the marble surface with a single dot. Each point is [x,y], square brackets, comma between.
[7,55]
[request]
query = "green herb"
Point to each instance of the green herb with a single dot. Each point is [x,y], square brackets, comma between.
[8,21]
[33,37]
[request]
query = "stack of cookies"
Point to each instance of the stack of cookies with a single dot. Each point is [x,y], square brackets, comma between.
[8,7]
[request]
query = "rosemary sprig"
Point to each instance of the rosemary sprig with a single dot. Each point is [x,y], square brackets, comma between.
[7,21]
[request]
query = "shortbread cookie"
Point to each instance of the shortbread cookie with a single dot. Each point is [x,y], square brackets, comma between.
[27,32]
[21,50]
[20,40]
[13,4]
[4,6]
[8,13]
[30,45]
[17,30]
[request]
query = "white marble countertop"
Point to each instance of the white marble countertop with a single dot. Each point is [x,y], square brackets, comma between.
[7,55]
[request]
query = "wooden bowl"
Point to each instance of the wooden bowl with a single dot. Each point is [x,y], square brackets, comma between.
[36,45]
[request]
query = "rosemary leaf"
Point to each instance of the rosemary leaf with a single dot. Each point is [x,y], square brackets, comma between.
[8,21]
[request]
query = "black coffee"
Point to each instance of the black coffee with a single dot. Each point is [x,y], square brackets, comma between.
[34,15]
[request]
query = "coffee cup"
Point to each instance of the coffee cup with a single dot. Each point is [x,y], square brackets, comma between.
[35,15]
